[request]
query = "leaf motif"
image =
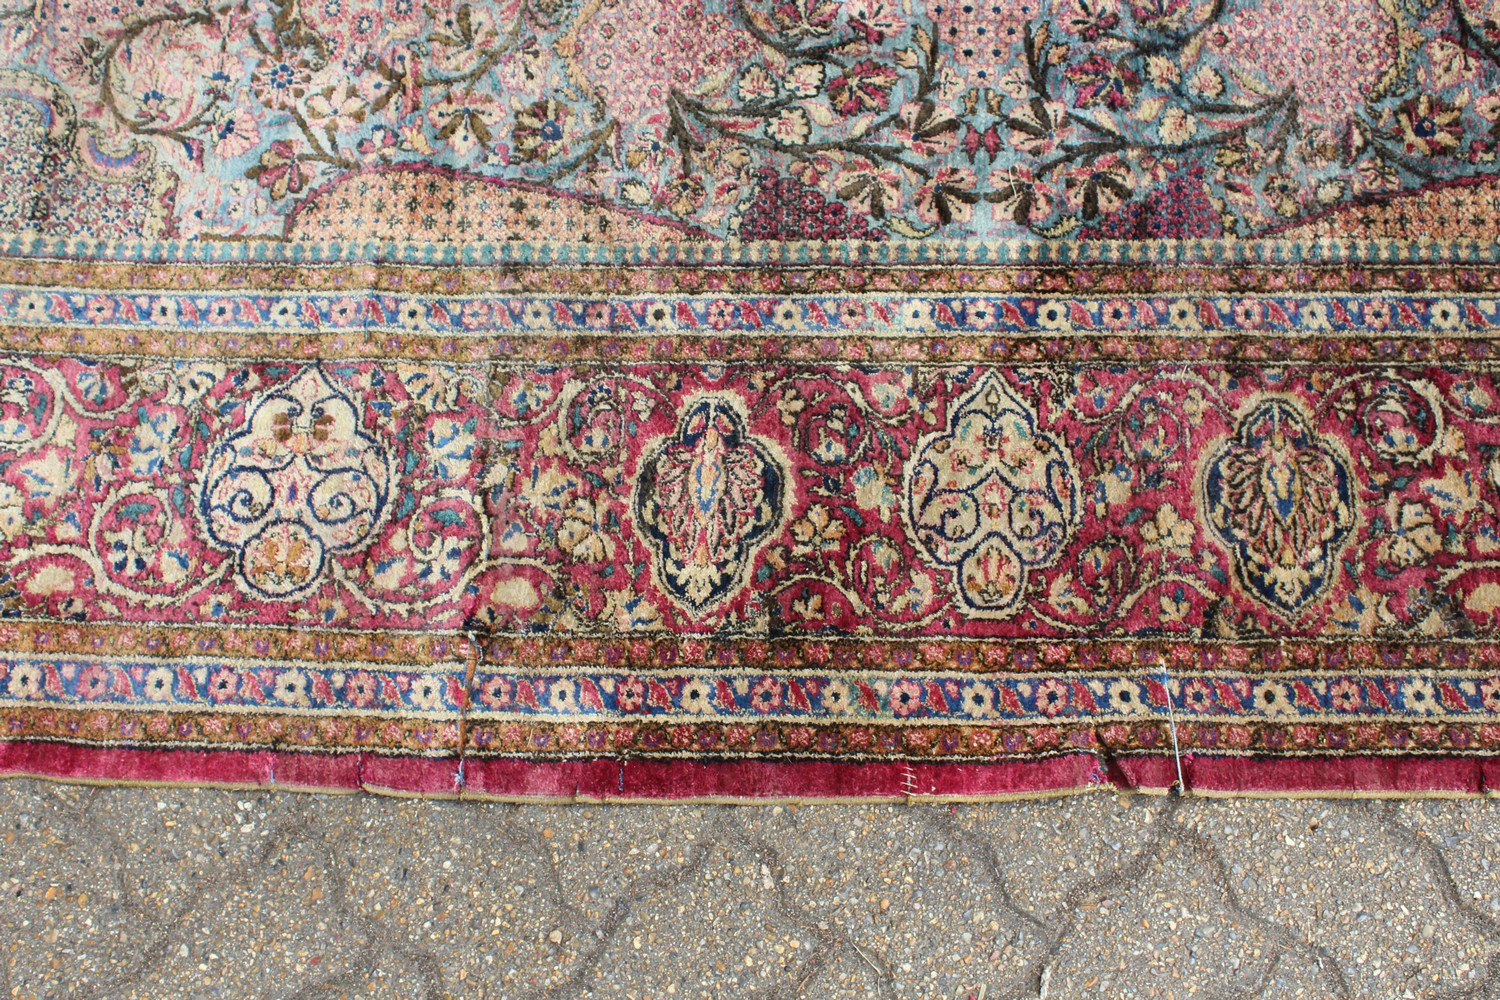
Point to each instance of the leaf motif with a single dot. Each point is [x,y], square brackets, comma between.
[1063,228]
[1190,51]
[820,113]
[903,228]
[1251,84]
[1149,109]
[922,39]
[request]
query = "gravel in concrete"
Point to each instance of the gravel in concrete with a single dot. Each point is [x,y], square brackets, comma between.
[183,893]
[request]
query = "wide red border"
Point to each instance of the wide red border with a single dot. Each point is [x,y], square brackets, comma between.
[669,780]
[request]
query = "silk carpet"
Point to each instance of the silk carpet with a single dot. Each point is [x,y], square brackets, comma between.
[746,399]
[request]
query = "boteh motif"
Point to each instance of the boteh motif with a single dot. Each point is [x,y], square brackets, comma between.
[1281,497]
[993,497]
[301,482]
[708,497]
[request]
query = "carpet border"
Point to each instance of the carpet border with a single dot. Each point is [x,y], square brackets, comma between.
[657,782]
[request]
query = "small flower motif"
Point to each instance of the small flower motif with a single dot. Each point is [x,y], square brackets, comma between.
[928,129]
[362,689]
[25,681]
[1314,316]
[1207,82]
[979,700]
[160,684]
[630,694]
[1177,126]
[93,683]
[864,87]
[1052,697]
[466,121]
[767,694]
[1273,698]
[1249,314]
[31,307]
[281,83]
[789,315]
[790,127]
[1197,696]
[427,693]
[1182,315]
[917,316]
[1345,695]
[280,170]
[1168,530]
[837,699]
[684,196]
[1418,697]
[818,532]
[1116,314]
[1446,315]
[872,190]
[980,314]
[562,696]
[1053,316]
[1376,314]
[1037,128]
[948,197]
[291,687]
[905,698]
[1429,127]
[339,107]
[697,697]
[1126,698]
[1099,187]
[541,131]
[284,312]
[496,692]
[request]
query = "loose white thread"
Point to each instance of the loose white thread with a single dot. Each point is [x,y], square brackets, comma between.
[1166,683]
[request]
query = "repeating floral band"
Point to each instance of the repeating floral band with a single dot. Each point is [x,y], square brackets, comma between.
[162,314]
[893,502]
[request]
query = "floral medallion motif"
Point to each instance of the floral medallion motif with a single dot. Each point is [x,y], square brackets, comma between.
[1281,497]
[992,496]
[301,482]
[707,498]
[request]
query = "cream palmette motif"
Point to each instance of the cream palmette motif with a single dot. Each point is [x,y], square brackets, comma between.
[1282,498]
[301,482]
[708,497]
[992,496]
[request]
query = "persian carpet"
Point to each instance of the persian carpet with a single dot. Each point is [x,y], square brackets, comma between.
[751,398]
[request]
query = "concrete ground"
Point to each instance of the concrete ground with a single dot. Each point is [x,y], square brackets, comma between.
[117,893]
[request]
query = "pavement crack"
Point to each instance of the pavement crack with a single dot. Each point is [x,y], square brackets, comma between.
[609,928]
[1324,960]
[1437,864]
[1488,985]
